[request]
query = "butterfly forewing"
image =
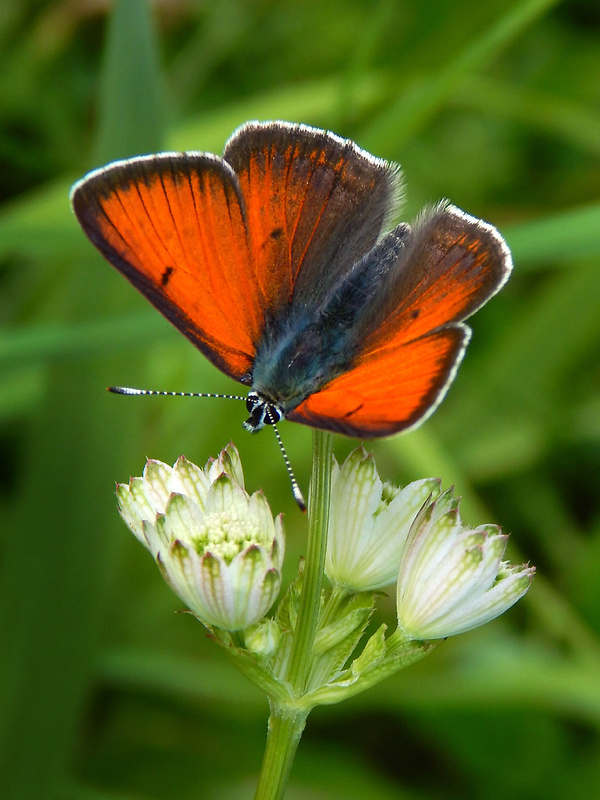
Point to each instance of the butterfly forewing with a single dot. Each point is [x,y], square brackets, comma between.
[450,266]
[174,225]
[315,204]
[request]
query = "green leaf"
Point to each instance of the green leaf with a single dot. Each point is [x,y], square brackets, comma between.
[131,112]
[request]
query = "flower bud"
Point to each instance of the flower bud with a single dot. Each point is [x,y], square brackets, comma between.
[368,523]
[452,578]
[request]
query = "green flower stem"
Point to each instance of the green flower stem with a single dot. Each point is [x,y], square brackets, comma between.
[283,737]
[318,523]
[287,722]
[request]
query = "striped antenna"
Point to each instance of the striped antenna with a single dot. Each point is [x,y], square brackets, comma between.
[129,390]
[296,491]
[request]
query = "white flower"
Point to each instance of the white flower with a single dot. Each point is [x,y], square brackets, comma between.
[368,523]
[218,547]
[452,578]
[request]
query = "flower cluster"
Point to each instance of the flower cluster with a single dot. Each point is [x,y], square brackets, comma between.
[221,550]
[449,578]
[217,546]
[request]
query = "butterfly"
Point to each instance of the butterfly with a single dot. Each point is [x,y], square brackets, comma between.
[276,262]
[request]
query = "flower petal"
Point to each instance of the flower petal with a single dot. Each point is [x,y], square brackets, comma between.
[491,604]
[190,480]
[157,484]
[355,497]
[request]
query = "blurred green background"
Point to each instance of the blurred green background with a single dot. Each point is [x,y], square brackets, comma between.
[106,693]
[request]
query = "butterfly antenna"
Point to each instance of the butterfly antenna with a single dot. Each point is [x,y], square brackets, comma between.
[129,390]
[297,492]
[298,496]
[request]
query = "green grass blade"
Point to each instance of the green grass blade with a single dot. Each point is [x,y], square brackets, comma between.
[424,96]
[131,112]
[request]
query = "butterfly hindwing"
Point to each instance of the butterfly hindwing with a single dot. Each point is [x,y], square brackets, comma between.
[412,333]
[388,391]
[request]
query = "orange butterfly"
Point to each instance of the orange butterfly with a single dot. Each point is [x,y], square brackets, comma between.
[272,261]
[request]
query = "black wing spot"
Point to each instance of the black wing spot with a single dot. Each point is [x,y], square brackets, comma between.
[353,411]
[166,276]
[415,313]
[276,233]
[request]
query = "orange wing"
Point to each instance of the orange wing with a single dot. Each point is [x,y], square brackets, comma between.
[219,253]
[315,205]
[389,391]
[451,265]
[174,225]
[414,339]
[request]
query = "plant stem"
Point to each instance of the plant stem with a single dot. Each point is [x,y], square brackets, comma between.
[318,523]
[286,723]
[283,737]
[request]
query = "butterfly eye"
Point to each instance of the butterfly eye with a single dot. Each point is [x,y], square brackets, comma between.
[272,414]
[257,408]
[253,400]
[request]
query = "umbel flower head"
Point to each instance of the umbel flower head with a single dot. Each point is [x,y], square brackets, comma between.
[217,546]
[453,578]
[368,523]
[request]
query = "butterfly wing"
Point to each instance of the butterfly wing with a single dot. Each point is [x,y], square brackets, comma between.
[174,225]
[389,391]
[218,252]
[315,205]
[412,333]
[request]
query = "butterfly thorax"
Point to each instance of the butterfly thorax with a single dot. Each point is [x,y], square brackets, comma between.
[296,357]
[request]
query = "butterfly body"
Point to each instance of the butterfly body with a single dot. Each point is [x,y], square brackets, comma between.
[310,344]
[272,260]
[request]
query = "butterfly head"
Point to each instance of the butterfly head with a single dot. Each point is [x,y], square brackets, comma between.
[262,412]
